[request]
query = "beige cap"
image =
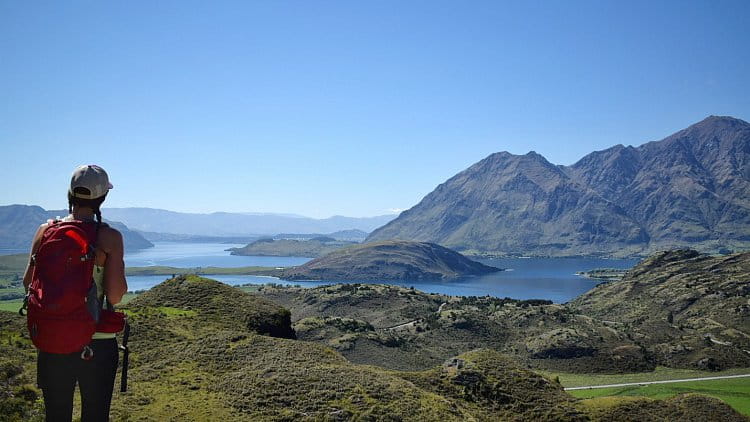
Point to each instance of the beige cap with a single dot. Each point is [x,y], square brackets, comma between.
[90,177]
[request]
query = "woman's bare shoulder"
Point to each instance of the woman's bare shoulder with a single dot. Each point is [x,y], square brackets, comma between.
[110,237]
[110,231]
[42,227]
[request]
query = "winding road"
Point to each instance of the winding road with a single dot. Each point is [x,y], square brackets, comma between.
[627,384]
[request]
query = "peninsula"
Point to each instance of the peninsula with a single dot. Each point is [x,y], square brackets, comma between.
[389,260]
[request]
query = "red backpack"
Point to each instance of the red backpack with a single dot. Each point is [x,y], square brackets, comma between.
[58,318]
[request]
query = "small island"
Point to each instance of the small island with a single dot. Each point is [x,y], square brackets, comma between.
[175,271]
[311,248]
[389,260]
[604,274]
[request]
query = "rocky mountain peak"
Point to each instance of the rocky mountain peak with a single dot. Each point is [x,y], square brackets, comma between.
[719,122]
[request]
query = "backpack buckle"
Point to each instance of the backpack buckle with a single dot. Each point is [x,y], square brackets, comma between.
[90,254]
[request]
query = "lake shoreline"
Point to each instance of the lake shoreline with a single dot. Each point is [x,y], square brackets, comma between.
[525,278]
[164,270]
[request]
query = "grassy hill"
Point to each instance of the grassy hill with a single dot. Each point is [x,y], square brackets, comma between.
[388,260]
[199,353]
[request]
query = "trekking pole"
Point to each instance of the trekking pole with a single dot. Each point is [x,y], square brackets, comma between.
[125,357]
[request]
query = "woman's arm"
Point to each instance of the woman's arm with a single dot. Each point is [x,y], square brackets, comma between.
[115,285]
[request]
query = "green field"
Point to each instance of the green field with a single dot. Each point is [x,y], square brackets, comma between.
[249,288]
[10,305]
[659,374]
[735,392]
[128,297]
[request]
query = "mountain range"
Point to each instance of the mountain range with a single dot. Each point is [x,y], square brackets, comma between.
[18,223]
[689,189]
[236,224]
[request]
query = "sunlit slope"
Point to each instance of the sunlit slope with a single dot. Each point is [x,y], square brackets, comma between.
[198,354]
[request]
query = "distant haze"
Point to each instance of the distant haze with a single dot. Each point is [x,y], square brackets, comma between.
[236,224]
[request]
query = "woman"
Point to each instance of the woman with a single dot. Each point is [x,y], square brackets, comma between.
[57,373]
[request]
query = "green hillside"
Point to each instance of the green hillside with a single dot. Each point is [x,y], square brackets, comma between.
[199,353]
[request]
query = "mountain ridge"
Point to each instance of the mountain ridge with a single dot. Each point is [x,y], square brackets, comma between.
[237,224]
[692,188]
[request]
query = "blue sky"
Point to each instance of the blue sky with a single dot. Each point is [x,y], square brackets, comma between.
[344,107]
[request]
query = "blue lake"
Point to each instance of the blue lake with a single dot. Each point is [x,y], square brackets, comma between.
[525,278]
[191,255]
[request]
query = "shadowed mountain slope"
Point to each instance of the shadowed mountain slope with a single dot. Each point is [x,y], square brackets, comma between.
[693,186]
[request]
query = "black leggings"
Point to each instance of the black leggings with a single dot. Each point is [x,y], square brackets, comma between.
[57,375]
